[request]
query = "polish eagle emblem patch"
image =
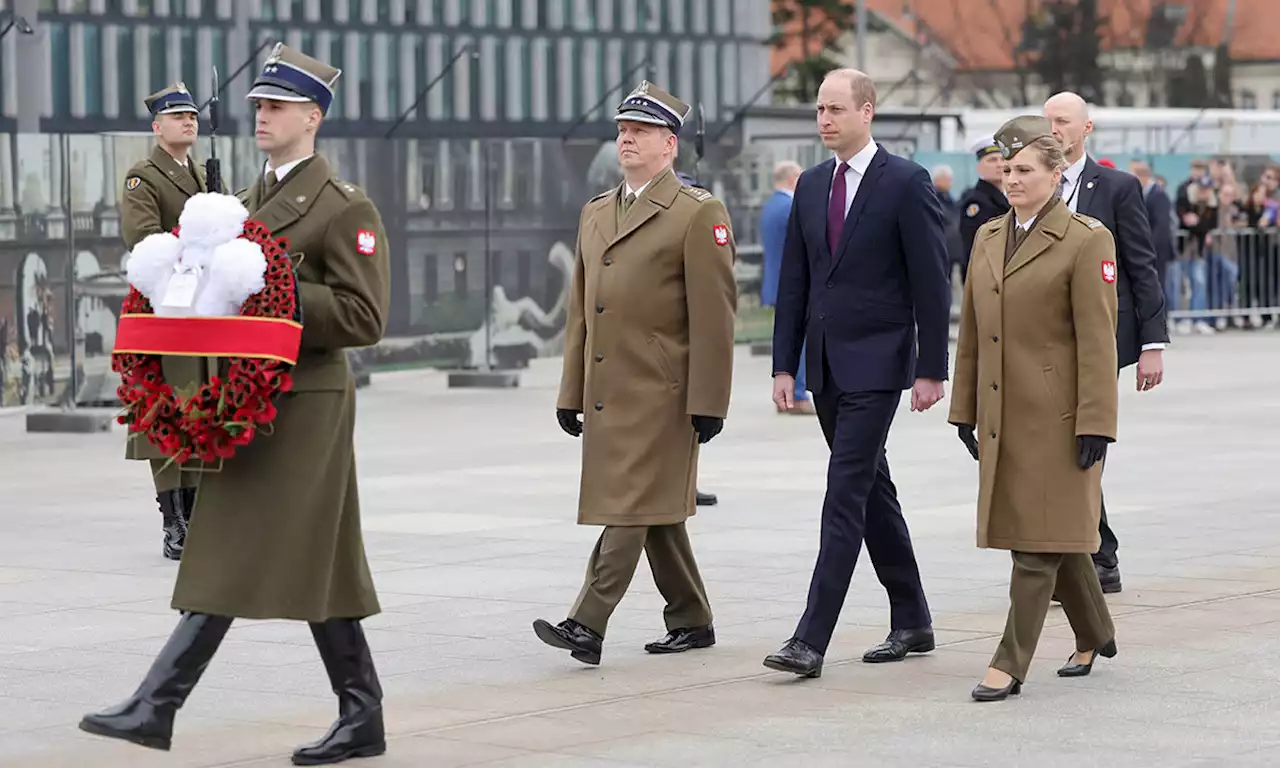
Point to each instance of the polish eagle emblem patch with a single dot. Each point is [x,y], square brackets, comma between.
[721,234]
[366,242]
[1108,271]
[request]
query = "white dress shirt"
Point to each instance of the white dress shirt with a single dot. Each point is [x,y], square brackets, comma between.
[283,171]
[858,165]
[1071,186]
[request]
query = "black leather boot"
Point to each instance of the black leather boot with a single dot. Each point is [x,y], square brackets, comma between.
[358,731]
[188,507]
[146,718]
[175,522]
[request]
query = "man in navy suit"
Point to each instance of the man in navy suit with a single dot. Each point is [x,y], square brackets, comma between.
[1164,232]
[774,216]
[1114,198]
[864,276]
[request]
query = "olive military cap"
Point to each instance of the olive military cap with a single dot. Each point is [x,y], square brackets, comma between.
[1020,132]
[290,75]
[650,104]
[175,98]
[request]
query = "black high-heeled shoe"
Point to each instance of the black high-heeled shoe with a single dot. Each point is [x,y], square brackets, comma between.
[987,693]
[1072,669]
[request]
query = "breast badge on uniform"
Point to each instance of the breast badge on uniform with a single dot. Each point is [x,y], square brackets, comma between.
[1108,271]
[132,182]
[972,210]
[366,242]
[721,234]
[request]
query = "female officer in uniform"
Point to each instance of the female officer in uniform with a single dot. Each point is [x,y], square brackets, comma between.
[1035,401]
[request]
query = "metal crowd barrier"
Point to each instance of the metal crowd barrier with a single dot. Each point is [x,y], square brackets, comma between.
[1225,278]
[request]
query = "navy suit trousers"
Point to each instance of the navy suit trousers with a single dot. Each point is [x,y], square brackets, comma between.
[861,503]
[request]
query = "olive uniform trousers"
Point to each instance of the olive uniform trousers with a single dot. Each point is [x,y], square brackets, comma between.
[613,563]
[1035,576]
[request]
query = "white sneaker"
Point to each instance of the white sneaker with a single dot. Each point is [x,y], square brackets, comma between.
[1182,327]
[1204,328]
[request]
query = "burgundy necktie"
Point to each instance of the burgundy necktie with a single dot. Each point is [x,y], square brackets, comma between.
[835,209]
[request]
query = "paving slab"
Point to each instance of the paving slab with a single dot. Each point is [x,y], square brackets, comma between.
[468,497]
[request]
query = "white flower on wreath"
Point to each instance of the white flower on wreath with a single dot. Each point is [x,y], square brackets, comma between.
[227,268]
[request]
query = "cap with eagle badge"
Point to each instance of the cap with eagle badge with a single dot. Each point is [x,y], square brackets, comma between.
[1020,132]
[176,98]
[651,105]
[290,75]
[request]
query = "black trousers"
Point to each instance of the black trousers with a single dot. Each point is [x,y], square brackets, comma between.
[1106,554]
[861,504]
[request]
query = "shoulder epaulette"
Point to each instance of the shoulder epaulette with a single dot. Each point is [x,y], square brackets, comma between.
[697,193]
[1088,221]
[348,190]
[602,195]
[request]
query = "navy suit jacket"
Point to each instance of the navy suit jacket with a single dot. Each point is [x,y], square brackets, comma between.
[1115,198]
[861,306]
[773,236]
[1160,215]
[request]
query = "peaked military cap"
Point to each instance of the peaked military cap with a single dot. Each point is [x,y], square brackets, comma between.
[650,104]
[1020,132]
[290,75]
[986,147]
[175,98]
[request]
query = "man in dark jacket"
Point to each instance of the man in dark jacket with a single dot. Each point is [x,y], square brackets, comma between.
[984,201]
[1115,198]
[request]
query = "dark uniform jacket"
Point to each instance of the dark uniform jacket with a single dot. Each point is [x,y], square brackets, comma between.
[276,533]
[980,204]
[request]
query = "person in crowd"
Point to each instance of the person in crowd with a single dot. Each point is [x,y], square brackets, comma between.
[773,235]
[984,201]
[1196,207]
[1035,401]
[1164,233]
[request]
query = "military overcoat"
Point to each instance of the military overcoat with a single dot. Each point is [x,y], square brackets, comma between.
[276,533]
[155,190]
[648,344]
[1035,368]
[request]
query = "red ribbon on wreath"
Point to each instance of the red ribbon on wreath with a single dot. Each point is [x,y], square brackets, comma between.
[226,412]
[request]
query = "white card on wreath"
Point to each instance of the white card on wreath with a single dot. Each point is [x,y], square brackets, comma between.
[181,292]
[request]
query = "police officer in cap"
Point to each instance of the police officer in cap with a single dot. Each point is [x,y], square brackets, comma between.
[649,358]
[155,190]
[984,201]
[278,535]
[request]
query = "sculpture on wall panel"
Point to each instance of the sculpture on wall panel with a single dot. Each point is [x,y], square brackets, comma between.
[35,331]
[523,322]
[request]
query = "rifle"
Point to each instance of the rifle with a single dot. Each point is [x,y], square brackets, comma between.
[212,170]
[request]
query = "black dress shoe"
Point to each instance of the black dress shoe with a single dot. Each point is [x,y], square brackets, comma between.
[146,718]
[358,731]
[899,643]
[706,499]
[1109,578]
[796,657]
[681,640]
[986,693]
[582,643]
[1072,669]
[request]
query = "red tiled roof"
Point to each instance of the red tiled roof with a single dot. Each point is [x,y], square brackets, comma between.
[985,34]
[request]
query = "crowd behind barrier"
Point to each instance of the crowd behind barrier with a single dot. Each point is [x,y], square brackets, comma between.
[1227,278]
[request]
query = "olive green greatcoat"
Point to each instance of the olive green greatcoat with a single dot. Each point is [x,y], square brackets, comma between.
[155,191]
[276,533]
[648,344]
[1035,368]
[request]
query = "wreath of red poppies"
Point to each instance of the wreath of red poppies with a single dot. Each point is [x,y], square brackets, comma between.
[224,413]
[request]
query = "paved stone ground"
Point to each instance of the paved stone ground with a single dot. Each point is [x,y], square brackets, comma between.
[469,508]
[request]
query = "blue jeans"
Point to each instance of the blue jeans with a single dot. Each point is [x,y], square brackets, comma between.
[1195,272]
[1224,277]
[802,392]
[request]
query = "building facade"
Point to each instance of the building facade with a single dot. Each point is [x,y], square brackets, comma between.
[479,127]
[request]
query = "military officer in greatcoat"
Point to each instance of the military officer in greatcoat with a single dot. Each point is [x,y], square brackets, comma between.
[155,190]
[278,535]
[984,201]
[648,365]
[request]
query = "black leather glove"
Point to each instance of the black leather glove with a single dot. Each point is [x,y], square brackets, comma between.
[707,427]
[568,418]
[969,439]
[1092,449]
